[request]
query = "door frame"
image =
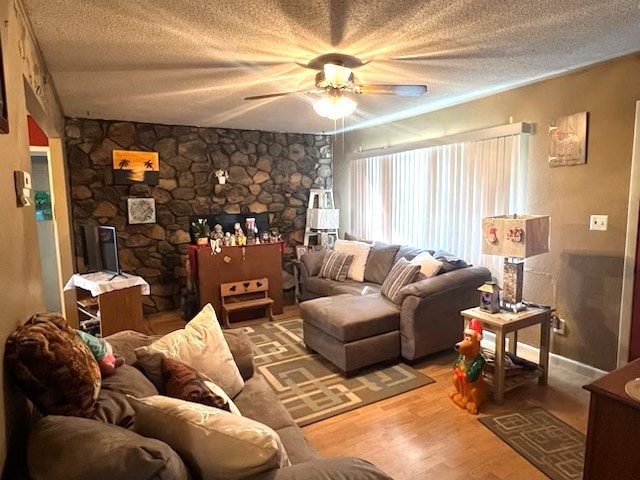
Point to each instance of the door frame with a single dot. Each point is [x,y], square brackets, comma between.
[631,245]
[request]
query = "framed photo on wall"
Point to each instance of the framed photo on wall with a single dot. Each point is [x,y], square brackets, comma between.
[141,210]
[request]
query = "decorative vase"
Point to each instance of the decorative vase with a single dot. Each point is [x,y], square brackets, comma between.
[222,180]
[202,241]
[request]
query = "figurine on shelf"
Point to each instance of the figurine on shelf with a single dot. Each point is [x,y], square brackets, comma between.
[215,246]
[233,240]
[227,239]
[217,234]
[275,235]
[237,230]
[264,237]
[241,239]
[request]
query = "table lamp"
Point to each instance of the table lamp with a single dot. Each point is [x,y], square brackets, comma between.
[514,237]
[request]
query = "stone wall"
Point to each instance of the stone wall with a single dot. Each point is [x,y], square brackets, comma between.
[268,172]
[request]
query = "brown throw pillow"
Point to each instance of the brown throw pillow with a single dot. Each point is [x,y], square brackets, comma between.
[183,382]
[56,370]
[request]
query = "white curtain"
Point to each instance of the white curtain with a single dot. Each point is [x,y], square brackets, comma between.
[436,197]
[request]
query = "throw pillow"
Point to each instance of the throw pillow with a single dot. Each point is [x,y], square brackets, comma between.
[449,261]
[402,273]
[183,382]
[335,265]
[200,345]
[74,448]
[381,259]
[213,443]
[429,266]
[360,252]
[53,366]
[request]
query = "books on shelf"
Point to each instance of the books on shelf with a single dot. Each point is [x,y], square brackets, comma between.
[513,365]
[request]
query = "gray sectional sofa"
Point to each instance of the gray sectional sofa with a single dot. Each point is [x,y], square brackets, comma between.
[354,332]
[102,447]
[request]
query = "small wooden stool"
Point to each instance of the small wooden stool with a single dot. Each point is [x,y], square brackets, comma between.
[244,295]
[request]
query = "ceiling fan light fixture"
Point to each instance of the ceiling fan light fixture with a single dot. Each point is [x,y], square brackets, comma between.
[335,107]
[337,75]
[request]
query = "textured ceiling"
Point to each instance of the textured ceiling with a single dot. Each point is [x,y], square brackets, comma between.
[191,62]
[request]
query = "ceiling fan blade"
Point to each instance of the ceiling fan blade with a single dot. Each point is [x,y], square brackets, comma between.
[282,94]
[402,90]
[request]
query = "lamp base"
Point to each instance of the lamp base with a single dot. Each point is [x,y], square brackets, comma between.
[513,274]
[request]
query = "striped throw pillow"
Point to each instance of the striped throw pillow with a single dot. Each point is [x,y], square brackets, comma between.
[402,273]
[335,265]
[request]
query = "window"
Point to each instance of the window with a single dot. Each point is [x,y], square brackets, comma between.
[436,197]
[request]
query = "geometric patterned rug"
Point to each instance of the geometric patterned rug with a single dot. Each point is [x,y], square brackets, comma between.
[552,446]
[312,388]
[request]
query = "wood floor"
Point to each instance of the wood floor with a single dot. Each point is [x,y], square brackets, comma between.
[421,434]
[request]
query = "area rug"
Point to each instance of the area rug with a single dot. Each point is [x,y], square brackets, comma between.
[552,446]
[312,388]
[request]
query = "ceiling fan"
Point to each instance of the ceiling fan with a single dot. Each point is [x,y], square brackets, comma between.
[335,78]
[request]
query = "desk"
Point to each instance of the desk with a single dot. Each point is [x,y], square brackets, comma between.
[505,323]
[108,304]
[613,435]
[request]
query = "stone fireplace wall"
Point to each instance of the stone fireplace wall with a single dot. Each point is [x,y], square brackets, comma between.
[268,172]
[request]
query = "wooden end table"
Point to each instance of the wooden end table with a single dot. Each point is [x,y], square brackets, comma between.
[507,323]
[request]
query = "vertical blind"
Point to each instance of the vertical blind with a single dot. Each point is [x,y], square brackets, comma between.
[436,197]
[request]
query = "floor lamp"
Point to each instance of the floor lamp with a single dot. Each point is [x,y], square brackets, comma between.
[515,237]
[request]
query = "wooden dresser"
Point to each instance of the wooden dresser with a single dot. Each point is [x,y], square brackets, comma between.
[234,264]
[613,435]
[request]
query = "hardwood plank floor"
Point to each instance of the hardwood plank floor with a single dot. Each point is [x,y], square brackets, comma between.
[422,434]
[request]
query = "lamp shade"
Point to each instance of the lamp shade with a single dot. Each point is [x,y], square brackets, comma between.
[515,236]
[323,218]
[335,106]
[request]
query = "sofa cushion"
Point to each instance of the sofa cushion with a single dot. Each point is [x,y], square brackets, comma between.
[324,287]
[408,253]
[201,345]
[125,342]
[259,402]
[298,448]
[73,448]
[353,238]
[334,468]
[313,262]
[381,259]
[53,366]
[360,252]
[112,405]
[429,266]
[402,274]
[183,382]
[212,442]
[449,261]
[350,318]
[335,265]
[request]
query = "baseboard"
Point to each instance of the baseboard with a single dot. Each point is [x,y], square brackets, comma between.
[532,353]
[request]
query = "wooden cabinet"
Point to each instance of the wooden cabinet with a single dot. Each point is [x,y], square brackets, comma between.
[234,264]
[108,305]
[613,435]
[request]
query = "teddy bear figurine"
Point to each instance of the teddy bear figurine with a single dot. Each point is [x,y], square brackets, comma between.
[103,353]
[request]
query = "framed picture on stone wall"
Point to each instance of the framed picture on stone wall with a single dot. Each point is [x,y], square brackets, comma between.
[141,210]
[131,167]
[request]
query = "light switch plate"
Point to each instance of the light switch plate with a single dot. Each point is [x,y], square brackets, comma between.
[598,222]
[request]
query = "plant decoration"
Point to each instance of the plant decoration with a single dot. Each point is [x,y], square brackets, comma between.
[200,228]
[221,175]
[515,234]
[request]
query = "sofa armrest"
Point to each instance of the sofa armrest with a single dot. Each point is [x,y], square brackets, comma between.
[440,284]
[241,349]
[336,468]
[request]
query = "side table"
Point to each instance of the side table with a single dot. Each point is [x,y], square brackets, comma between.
[503,324]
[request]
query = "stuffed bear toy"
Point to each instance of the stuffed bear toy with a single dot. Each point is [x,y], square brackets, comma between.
[103,353]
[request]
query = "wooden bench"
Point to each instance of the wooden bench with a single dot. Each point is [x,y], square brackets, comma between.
[245,295]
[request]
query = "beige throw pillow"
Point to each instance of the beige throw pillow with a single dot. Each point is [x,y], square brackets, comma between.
[200,345]
[212,442]
[429,266]
[360,252]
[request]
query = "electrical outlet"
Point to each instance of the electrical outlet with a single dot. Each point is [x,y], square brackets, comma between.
[598,222]
[558,325]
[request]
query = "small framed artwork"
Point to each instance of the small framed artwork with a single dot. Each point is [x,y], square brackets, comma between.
[141,210]
[301,250]
[132,167]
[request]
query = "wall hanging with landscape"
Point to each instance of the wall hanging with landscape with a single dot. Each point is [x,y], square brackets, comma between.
[131,167]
